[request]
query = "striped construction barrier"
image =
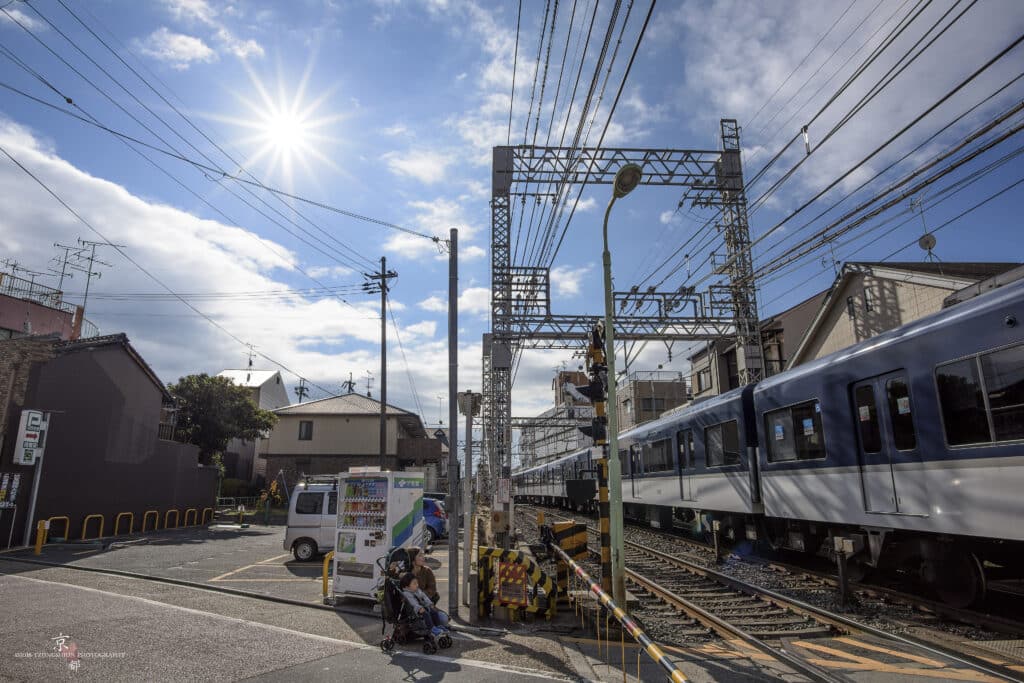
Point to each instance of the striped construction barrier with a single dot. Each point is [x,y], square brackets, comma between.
[632,628]
[571,537]
[488,558]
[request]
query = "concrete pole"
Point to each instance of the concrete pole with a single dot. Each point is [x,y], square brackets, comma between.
[383,363]
[614,467]
[453,421]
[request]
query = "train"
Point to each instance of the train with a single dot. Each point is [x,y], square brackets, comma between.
[905,450]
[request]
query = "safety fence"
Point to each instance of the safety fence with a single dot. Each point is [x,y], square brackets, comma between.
[150,522]
[606,607]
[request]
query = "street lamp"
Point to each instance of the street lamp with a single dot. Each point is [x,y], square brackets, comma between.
[626,180]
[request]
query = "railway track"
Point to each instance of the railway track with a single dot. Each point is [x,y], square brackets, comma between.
[684,602]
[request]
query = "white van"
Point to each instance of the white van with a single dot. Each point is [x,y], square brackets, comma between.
[312,520]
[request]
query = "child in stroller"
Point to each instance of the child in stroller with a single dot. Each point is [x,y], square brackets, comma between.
[405,622]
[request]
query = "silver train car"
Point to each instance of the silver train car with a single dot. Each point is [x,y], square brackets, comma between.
[910,445]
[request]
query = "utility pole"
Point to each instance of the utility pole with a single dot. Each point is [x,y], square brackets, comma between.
[349,386]
[469,405]
[378,282]
[302,391]
[453,416]
[89,272]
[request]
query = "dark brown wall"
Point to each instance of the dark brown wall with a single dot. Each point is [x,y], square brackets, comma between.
[102,452]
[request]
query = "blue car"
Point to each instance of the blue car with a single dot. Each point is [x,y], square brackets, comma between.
[436,520]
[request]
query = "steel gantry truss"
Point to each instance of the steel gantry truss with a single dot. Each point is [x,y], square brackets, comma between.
[521,315]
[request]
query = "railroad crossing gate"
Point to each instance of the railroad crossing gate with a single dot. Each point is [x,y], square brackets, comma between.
[507,576]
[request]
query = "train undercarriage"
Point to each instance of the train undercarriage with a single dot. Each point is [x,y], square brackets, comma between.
[955,570]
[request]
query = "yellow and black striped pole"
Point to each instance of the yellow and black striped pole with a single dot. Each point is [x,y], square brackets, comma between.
[649,646]
[603,509]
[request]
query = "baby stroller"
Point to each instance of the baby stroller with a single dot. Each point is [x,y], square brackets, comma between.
[394,610]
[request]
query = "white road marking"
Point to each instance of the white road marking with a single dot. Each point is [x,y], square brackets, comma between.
[312,636]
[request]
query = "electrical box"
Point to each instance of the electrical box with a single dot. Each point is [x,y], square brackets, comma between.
[376,512]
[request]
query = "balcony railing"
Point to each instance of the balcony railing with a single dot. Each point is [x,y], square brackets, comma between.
[28,290]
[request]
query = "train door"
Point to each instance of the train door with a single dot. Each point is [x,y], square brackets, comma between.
[887,440]
[684,446]
[634,469]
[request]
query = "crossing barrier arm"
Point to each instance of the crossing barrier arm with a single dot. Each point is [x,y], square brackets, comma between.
[631,627]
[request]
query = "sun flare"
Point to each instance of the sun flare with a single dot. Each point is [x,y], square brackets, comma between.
[287,130]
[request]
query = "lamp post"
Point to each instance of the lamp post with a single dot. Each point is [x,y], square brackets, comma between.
[626,180]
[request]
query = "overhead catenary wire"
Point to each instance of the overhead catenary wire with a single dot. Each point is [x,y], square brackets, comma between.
[149,274]
[779,224]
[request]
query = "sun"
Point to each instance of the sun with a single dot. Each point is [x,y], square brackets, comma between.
[286,131]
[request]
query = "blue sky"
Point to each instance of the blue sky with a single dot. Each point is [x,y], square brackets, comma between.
[389,109]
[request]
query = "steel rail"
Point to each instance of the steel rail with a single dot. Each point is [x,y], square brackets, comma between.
[831,618]
[726,629]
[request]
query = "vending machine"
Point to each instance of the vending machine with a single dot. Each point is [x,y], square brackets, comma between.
[376,512]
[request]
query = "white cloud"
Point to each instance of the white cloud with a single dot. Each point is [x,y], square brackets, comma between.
[395,130]
[426,328]
[202,12]
[567,279]
[471,252]
[191,10]
[176,49]
[434,303]
[321,338]
[472,300]
[16,16]
[436,218]
[585,204]
[424,165]
[475,300]
[332,272]
[241,48]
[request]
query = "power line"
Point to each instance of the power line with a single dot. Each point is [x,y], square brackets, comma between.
[515,64]
[147,273]
[192,124]
[14,58]
[405,360]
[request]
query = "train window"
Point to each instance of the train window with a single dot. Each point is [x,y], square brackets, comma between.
[657,456]
[684,439]
[722,444]
[1004,383]
[963,403]
[867,418]
[898,394]
[795,433]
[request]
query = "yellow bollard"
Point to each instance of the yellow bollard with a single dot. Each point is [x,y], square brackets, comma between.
[540,518]
[145,517]
[41,527]
[85,525]
[327,564]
